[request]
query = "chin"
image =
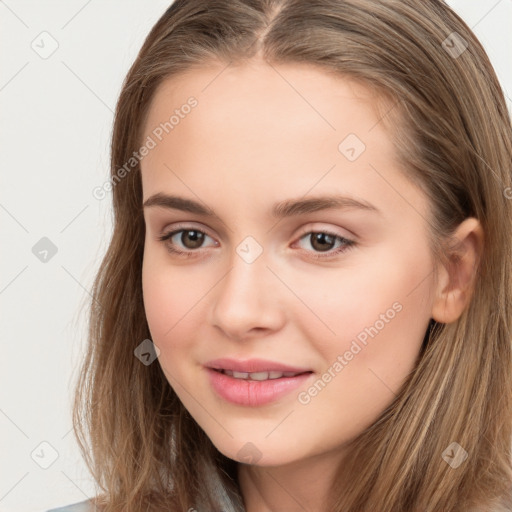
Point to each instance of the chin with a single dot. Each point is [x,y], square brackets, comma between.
[257,454]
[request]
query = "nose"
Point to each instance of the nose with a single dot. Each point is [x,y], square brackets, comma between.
[248,301]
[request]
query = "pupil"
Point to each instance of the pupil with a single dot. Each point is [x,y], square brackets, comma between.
[322,239]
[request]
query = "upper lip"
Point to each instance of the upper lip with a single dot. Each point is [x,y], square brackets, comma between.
[252,365]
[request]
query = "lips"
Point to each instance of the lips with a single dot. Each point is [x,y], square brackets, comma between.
[254,382]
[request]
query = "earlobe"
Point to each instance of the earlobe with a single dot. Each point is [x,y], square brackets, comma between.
[457,277]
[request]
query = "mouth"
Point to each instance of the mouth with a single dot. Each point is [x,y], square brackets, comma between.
[260,376]
[255,367]
[256,389]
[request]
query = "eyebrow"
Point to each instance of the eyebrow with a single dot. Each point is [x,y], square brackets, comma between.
[287,208]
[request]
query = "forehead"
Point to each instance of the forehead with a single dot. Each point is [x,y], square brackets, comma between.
[306,94]
[260,109]
[263,129]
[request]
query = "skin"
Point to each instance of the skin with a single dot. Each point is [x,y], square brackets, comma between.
[261,134]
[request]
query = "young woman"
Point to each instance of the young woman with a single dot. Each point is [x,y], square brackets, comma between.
[306,302]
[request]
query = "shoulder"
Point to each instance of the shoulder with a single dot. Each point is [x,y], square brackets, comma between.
[82,506]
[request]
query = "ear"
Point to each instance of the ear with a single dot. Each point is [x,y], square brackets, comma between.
[456,279]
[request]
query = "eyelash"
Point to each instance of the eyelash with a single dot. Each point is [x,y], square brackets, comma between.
[347,243]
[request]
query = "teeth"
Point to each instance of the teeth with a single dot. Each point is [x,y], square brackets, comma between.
[240,375]
[259,375]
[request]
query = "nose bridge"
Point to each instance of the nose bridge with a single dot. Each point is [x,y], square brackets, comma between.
[246,279]
[243,300]
[248,263]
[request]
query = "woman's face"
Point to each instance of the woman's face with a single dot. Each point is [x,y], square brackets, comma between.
[302,245]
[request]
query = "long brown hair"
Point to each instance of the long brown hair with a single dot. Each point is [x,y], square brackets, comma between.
[452,132]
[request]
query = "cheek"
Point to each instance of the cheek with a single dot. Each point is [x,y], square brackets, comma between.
[350,298]
[377,317]
[174,303]
[168,296]
[380,322]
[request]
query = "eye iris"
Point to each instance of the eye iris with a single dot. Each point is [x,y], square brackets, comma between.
[195,236]
[325,240]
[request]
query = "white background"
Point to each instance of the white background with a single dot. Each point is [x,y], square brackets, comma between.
[55,126]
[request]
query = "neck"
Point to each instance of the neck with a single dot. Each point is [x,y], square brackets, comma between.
[298,486]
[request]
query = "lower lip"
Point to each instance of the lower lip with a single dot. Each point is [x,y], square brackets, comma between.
[253,392]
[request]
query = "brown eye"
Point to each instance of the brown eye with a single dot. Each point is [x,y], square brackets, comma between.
[328,243]
[192,239]
[322,241]
[184,241]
